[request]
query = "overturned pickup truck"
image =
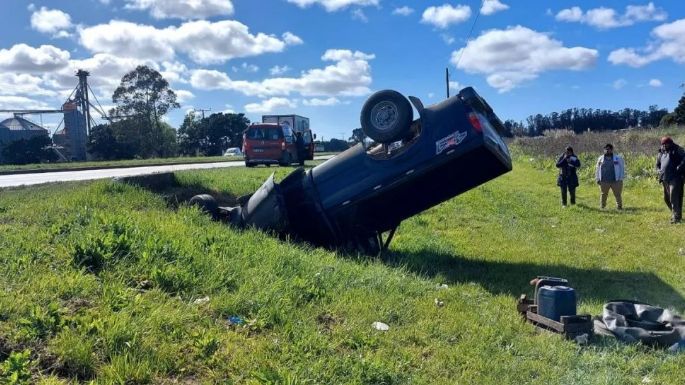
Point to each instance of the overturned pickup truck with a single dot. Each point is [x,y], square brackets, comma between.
[351,200]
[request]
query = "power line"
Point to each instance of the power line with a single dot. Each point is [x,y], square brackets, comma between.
[469,36]
[202,110]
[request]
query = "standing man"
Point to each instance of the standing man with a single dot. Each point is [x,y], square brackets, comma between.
[568,179]
[670,163]
[609,174]
[299,145]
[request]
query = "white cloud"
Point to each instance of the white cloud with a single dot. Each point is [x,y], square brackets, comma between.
[350,75]
[249,67]
[52,21]
[619,83]
[446,15]
[669,43]
[279,70]
[358,14]
[270,105]
[431,95]
[448,39]
[229,109]
[455,87]
[518,54]
[492,6]
[183,9]
[22,84]
[605,18]
[174,72]
[647,12]
[203,41]
[655,83]
[403,11]
[573,14]
[26,59]
[183,96]
[122,38]
[20,103]
[105,73]
[315,102]
[291,39]
[334,5]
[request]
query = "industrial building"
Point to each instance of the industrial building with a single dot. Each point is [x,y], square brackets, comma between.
[18,128]
[71,140]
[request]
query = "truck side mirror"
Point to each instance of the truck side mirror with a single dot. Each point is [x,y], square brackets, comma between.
[314,136]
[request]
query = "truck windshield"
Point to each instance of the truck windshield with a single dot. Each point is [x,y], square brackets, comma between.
[265,133]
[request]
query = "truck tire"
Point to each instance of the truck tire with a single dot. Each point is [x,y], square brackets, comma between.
[386,116]
[206,203]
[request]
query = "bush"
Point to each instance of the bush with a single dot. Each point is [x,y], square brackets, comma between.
[25,151]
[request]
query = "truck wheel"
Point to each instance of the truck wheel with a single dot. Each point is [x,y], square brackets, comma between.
[206,203]
[386,116]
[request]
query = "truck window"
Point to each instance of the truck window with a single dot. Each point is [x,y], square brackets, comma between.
[265,133]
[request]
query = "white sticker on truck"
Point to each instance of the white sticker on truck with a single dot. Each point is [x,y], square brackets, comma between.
[450,140]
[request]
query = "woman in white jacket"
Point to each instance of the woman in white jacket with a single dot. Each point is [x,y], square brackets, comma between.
[609,174]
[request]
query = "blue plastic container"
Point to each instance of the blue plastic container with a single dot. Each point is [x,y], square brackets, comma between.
[556,301]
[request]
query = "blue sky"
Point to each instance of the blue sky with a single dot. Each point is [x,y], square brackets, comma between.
[322,58]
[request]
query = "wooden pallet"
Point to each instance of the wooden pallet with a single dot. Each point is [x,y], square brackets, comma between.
[569,326]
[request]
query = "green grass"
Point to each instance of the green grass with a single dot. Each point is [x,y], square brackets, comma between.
[10,168]
[99,283]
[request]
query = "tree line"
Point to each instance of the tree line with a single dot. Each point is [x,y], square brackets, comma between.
[589,119]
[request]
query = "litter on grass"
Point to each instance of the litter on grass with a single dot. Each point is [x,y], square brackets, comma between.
[380,326]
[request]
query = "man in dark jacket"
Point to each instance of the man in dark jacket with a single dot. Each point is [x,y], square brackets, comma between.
[670,163]
[299,144]
[568,179]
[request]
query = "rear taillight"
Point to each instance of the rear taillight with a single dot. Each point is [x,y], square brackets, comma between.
[282,144]
[475,122]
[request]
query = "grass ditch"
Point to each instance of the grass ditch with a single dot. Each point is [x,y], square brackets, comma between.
[110,283]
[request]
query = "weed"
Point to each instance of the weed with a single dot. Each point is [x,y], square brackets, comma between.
[16,368]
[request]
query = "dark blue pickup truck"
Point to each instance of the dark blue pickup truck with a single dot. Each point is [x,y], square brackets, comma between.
[351,200]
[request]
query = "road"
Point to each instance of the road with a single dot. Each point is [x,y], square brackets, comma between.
[69,176]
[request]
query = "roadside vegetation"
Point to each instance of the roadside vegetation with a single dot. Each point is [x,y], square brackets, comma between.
[12,168]
[118,284]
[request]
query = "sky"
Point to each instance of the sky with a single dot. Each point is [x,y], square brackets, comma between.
[323,58]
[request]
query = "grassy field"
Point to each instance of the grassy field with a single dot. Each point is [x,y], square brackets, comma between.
[115,284]
[11,168]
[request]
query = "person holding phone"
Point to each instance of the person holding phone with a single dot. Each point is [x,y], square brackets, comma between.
[567,180]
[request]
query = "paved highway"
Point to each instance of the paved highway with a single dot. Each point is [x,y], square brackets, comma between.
[68,176]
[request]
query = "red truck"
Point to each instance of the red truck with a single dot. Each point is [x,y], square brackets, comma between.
[298,124]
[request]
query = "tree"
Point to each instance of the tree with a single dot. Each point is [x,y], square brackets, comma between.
[143,98]
[679,111]
[211,135]
[102,144]
[668,120]
[357,135]
[336,145]
[33,150]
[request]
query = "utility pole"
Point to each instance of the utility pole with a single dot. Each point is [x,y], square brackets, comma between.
[202,110]
[447,81]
